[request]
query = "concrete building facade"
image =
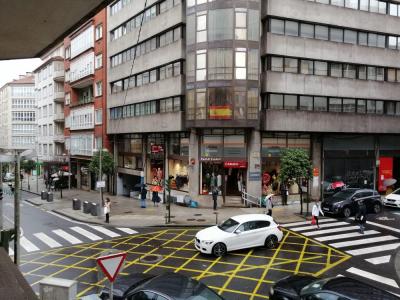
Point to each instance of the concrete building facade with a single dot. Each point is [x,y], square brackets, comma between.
[85,96]
[212,92]
[18,114]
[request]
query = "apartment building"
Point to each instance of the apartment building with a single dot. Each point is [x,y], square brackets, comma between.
[212,92]
[49,89]
[85,96]
[18,114]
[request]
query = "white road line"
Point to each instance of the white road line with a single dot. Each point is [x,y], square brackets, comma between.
[105,231]
[66,236]
[364,241]
[47,240]
[375,249]
[346,235]
[379,260]
[307,222]
[27,245]
[127,230]
[373,276]
[86,233]
[64,218]
[341,229]
[310,227]
[383,226]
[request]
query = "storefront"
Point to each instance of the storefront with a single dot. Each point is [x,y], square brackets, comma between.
[388,163]
[178,161]
[223,161]
[155,159]
[272,147]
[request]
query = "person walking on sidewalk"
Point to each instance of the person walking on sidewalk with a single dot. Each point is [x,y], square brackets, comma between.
[361,215]
[107,209]
[215,193]
[154,197]
[269,205]
[316,210]
[284,193]
[143,196]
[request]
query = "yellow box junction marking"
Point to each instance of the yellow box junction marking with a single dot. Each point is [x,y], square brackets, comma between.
[304,256]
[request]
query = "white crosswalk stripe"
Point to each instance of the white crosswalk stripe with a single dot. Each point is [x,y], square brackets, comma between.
[27,245]
[373,240]
[85,233]
[127,230]
[374,249]
[373,276]
[47,240]
[325,231]
[307,222]
[68,237]
[379,260]
[345,236]
[106,231]
[333,224]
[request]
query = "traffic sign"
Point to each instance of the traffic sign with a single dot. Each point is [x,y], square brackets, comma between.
[111,264]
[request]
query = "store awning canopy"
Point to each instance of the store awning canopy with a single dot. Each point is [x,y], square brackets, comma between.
[29,28]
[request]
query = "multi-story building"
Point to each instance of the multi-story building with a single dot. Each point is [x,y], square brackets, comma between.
[18,120]
[221,88]
[49,88]
[85,96]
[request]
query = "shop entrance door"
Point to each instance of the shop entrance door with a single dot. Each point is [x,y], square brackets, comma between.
[235,179]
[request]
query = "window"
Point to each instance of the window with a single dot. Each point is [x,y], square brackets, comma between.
[371,73]
[201,104]
[291,65]
[321,32]
[364,5]
[291,28]
[306,103]
[99,32]
[351,4]
[362,72]
[336,70]
[391,75]
[321,68]
[201,62]
[349,71]
[240,64]
[240,25]
[99,89]
[336,35]
[379,106]
[363,39]
[201,32]
[335,104]
[392,42]
[98,116]
[393,9]
[290,102]
[320,104]
[275,101]
[361,106]
[349,105]
[98,63]
[220,64]
[371,107]
[277,26]
[350,36]
[306,30]
[277,64]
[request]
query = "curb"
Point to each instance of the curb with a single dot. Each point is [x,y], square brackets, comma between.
[33,203]
[74,218]
[26,191]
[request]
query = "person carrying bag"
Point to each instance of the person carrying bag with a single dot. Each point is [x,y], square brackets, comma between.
[316,210]
[107,209]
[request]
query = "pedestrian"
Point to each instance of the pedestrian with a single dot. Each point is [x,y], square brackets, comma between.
[361,215]
[316,210]
[107,209]
[215,193]
[284,193]
[269,205]
[143,196]
[155,198]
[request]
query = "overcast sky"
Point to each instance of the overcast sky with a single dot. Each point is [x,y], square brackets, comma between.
[10,69]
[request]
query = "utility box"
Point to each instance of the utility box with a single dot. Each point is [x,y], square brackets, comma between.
[57,289]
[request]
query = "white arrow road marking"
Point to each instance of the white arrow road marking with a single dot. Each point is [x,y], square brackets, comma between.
[47,240]
[373,276]
[364,241]
[27,245]
[66,236]
[379,260]
[127,230]
[86,233]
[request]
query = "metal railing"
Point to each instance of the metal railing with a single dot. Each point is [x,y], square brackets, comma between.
[250,200]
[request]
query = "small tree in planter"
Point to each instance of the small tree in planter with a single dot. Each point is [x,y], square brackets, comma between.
[295,165]
[107,164]
[28,166]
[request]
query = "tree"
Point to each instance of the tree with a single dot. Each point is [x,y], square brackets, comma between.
[295,165]
[28,166]
[107,163]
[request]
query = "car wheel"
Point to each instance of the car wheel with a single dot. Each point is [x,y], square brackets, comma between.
[346,212]
[377,208]
[271,242]
[219,249]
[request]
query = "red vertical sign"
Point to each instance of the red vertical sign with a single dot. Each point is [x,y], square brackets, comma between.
[385,171]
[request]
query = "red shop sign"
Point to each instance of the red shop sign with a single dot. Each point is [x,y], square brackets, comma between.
[156,149]
[235,164]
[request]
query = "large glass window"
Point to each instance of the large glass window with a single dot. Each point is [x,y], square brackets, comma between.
[220,62]
[291,28]
[220,23]
[277,26]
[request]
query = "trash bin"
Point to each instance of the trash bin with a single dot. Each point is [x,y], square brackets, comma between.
[76,204]
[50,197]
[93,209]
[86,207]
[44,195]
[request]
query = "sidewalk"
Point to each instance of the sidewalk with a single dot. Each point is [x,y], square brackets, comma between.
[126,211]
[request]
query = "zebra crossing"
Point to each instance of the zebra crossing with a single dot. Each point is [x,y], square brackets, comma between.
[74,235]
[374,246]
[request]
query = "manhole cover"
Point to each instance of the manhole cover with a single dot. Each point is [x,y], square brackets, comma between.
[201,220]
[152,258]
[198,215]
[191,219]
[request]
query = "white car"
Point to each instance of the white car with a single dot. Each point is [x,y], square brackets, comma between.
[393,199]
[239,232]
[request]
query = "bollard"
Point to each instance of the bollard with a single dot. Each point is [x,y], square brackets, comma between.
[93,209]
[216,217]
[43,195]
[76,204]
[50,197]
[86,207]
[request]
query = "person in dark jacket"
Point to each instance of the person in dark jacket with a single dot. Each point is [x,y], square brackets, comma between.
[215,193]
[143,196]
[284,193]
[154,198]
[361,215]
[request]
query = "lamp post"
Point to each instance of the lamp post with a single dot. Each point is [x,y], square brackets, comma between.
[100,150]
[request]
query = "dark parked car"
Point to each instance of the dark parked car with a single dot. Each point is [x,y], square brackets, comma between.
[298,287]
[168,286]
[345,202]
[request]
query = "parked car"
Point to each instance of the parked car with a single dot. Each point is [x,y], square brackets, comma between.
[333,186]
[345,202]
[8,177]
[297,287]
[392,199]
[168,286]
[239,232]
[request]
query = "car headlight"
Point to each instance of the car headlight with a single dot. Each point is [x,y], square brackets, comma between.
[207,242]
[271,291]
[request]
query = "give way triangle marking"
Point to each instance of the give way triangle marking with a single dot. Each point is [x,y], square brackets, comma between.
[111,264]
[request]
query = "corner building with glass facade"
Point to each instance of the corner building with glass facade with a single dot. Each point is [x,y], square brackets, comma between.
[212,92]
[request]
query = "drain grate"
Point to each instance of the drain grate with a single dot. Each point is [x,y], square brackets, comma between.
[201,220]
[191,219]
[152,258]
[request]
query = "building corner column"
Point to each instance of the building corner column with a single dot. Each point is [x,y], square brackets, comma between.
[316,176]
[194,165]
[253,186]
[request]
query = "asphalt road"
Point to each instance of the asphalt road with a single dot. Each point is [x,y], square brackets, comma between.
[333,250]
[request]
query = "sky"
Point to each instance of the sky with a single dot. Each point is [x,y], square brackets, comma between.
[10,69]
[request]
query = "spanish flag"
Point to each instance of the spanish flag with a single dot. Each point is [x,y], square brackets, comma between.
[220,112]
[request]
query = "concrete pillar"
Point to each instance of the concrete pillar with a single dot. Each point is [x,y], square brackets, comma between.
[316,181]
[166,152]
[78,175]
[144,155]
[253,186]
[194,169]
[115,177]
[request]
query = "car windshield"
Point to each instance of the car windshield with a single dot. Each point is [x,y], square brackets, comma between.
[229,225]
[397,192]
[314,286]
[343,194]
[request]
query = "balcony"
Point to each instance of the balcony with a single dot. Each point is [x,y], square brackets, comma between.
[59,75]
[59,138]
[82,102]
[59,97]
[59,117]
